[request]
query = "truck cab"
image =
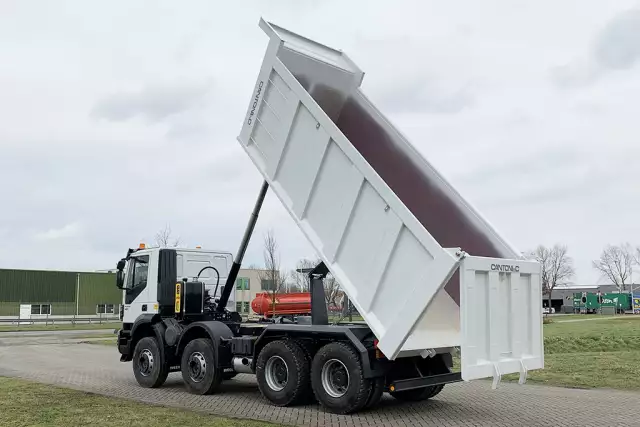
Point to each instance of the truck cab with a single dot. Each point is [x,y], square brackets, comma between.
[142,276]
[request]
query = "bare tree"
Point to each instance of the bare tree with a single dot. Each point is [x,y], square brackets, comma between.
[272,277]
[164,238]
[557,267]
[301,279]
[331,290]
[616,264]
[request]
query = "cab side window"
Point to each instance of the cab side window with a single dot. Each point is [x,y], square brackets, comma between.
[136,277]
[140,272]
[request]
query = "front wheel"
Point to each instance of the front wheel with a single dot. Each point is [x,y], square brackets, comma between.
[198,367]
[148,366]
[337,379]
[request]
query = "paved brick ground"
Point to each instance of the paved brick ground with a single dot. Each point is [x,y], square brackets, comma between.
[97,369]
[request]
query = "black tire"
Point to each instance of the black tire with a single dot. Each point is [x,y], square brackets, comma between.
[282,371]
[198,367]
[436,390]
[377,388]
[416,394]
[229,375]
[349,393]
[308,349]
[148,364]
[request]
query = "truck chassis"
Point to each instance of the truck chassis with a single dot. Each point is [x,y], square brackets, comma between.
[337,365]
[340,366]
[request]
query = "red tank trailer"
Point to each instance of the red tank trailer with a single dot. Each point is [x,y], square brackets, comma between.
[285,304]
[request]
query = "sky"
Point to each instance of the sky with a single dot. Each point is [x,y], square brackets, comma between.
[119,118]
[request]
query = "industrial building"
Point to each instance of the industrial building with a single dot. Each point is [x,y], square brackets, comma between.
[58,293]
[562,295]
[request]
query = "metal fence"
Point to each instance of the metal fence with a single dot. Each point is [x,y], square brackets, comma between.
[46,321]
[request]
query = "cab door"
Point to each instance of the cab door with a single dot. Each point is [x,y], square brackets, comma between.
[140,294]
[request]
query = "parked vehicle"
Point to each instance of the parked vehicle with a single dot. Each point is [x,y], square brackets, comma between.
[595,302]
[424,270]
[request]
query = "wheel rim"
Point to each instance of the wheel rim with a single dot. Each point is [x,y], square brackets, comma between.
[276,373]
[197,367]
[335,378]
[145,362]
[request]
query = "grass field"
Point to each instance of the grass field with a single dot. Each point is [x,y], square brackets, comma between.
[24,403]
[110,342]
[599,352]
[59,327]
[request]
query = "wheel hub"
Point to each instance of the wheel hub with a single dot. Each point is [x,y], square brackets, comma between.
[276,373]
[335,378]
[197,367]
[146,362]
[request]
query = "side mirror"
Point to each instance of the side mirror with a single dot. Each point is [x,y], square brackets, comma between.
[120,279]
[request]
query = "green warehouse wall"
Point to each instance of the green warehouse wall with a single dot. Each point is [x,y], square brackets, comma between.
[57,288]
[98,288]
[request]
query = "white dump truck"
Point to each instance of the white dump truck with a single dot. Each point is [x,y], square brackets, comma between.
[426,271]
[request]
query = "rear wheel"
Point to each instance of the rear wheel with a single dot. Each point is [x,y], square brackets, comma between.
[436,390]
[282,371]
[148,366]
[377,388]
[337,379]
[198,367]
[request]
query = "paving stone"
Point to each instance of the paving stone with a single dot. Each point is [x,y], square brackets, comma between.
[97,369]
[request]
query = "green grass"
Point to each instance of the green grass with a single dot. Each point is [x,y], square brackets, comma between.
[25,403]
[60,327]
[110,343]
[561,317]
[602,352]
[598,353]
[614,370]
[608,326]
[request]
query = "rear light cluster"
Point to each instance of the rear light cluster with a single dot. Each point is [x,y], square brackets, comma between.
[379,354]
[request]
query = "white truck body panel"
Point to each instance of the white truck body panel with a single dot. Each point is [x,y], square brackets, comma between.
[344,174]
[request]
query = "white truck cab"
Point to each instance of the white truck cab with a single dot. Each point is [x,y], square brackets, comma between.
[142,276]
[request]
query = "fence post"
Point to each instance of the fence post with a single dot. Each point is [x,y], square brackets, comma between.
[77,295]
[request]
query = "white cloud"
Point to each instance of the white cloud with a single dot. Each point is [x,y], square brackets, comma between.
[616,47]
[155,103]
[107,135]
[64,232]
